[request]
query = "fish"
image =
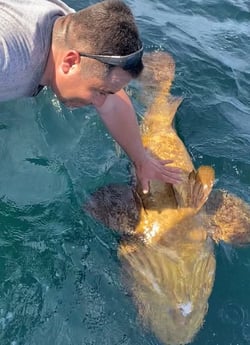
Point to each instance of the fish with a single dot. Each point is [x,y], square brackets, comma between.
[168,236]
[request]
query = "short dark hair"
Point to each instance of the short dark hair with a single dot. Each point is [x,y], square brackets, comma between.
[106,28]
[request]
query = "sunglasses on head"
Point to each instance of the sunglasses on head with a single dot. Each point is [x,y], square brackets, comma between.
[123,61]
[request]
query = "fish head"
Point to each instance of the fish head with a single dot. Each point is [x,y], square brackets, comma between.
[170,287]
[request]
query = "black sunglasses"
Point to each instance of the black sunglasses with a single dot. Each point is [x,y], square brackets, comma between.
[125,61]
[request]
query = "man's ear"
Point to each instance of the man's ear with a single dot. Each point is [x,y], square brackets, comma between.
[70,60]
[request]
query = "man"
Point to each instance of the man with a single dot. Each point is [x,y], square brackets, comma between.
[87,58]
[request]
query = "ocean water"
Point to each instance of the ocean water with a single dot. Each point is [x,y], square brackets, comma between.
[59,273]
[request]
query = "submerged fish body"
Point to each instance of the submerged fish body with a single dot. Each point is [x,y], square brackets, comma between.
[167,255]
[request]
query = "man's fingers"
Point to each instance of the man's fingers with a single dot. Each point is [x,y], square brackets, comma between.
[166,161]
[157,169]
[170,168]
[172,174]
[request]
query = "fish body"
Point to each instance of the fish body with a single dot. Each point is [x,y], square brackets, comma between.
[170,270]
[167,253]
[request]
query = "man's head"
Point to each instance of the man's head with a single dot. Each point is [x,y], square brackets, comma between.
[105,29]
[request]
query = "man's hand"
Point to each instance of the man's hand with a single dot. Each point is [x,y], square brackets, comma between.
[151,168]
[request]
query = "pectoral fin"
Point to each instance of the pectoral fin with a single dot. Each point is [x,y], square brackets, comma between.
[116,206]
[200,185]
[229,217]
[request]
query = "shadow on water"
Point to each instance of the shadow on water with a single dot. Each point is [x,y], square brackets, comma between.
[59,274]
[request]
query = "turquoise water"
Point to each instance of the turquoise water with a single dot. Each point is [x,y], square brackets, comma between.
[59,273]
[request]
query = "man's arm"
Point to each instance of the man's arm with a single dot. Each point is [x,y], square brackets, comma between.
[118,115]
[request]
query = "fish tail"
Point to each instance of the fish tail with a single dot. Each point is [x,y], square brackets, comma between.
[159,70]
[163,109]
[172,104]
[157,76]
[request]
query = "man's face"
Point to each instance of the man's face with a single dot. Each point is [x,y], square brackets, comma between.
[76,90]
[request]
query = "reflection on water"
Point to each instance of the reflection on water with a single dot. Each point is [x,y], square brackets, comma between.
[59,274]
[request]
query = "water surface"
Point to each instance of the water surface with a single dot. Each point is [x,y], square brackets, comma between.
[59,274]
